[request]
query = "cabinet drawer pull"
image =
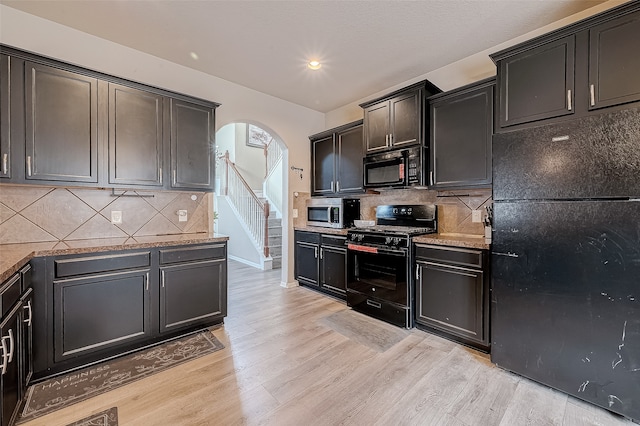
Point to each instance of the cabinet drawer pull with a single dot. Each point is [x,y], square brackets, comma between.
[374,304]
[28,307]
[592,95]
[5,163]
[4,357]
[28,165]
[569,100]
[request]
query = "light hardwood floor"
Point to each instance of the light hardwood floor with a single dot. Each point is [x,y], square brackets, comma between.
[282,366]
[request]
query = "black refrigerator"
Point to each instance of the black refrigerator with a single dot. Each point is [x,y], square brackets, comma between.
[565,304]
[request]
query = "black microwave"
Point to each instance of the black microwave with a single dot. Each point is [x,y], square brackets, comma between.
[398,168]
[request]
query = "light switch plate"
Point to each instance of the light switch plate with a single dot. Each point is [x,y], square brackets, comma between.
[182,215]
[116,217]
[295,213]
[476,216]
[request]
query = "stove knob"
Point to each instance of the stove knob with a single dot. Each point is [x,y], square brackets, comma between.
[353,237]
[360,237]
[388,240]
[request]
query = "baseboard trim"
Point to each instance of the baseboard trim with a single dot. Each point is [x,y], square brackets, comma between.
[290,284]
[245,261]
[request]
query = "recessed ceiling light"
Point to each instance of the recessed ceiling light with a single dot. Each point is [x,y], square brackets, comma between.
[314,65]
[194,56]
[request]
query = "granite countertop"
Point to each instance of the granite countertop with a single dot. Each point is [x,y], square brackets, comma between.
[14,256]
[321,230]
[455,240]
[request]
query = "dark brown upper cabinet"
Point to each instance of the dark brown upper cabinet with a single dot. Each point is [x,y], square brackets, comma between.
[5,133]
[461,127]
[396,120]
[192,145]
[571,72]
[614,62]
[72,126]
[61,132]
[538,83]
[336,160]
[135,136]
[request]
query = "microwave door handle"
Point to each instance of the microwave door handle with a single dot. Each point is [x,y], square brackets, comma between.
[329,215]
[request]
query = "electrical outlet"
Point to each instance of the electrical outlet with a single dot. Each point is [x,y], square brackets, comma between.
[295,213]
[116,217]
[476,216]
[182,215]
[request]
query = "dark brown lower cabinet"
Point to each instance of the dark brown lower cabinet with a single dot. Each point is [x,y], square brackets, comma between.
[98,312]
[15,342]
[91,307]
[194,292]
[452,293]
[321,262]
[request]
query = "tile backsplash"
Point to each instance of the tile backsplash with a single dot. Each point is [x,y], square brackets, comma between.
[454,207]
[38,214]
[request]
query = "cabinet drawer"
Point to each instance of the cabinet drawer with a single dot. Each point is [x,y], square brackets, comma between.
[102,263]
[10,293]
[308,237]
[452,255]
[216,251]
[335,241]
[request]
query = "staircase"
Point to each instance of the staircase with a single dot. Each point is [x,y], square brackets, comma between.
[261,221]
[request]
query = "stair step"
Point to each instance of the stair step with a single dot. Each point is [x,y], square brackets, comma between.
[275,251]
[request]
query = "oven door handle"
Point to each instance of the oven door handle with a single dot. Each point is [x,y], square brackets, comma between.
[377,250]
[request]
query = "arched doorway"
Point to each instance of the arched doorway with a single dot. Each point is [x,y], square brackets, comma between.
[250,179]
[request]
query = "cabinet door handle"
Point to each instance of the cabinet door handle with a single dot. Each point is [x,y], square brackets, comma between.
[162,279]
[431,177]
[315,252]
[332,190]
[147,281]
[390,138]
[386,139]
[160,175]
[321,253]
[28,165]
[174,177]
[417,272]
[569,100]
[28,307]
[11,345]
[5,163]
[4,357]
[337,186]
[592,95]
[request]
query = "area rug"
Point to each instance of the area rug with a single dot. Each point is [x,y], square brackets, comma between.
[62,391]
[365,330]
[103,418]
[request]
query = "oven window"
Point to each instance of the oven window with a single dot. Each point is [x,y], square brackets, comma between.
[384,173]
[380,275]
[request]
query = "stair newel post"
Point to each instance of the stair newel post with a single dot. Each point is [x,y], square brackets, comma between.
[266,228]
[226,172]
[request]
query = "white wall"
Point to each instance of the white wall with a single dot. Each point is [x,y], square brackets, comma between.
[292,123]
[464,71]
[249,160]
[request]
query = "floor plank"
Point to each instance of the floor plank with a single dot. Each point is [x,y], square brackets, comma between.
[282,365]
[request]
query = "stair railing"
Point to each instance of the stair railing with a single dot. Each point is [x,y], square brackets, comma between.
[272,155]
[252,210]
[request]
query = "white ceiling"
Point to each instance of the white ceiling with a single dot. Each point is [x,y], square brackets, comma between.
[364,46]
